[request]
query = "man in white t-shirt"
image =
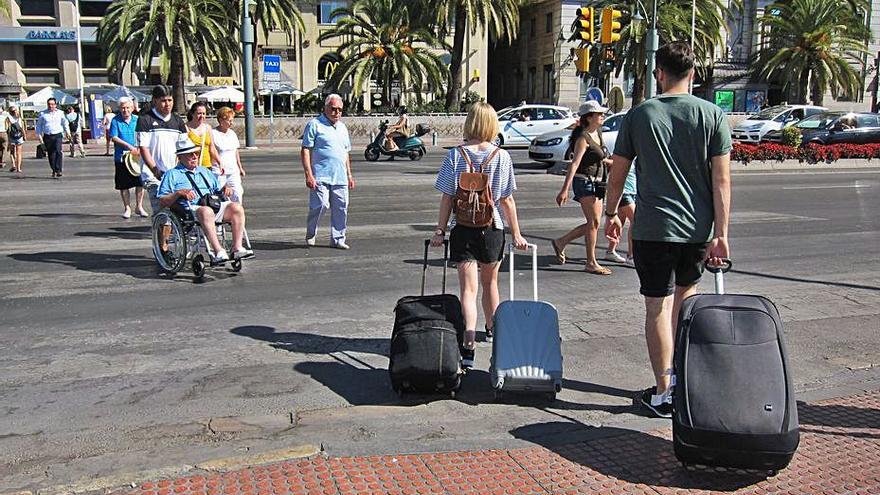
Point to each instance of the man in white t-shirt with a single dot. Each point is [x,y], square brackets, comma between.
[105,123]
[3,138]
[157,134]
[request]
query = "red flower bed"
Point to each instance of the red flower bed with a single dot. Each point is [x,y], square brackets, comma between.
[810,153]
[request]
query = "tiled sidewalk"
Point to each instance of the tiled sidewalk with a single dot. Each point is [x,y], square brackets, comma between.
[839,454]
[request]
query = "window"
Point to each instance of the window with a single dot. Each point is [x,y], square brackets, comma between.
[93,57]
[549,82]
[533,29]
[37,7]
[326,8]
[287,54]
[40,57]
[548,27]
[530,83]
[93,8]
[549,114]
[867,120]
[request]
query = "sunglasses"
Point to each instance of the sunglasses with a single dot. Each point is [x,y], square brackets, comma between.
[336,109]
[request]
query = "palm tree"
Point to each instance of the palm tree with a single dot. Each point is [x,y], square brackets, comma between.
[500,17]
[673,23]
[813,46]
[182,33]
[378,40]
[273,15]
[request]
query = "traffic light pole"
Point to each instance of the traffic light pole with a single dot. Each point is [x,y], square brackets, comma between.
[651,44]
[247,64]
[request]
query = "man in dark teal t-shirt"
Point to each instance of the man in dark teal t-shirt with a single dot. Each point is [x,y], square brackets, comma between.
[683,179]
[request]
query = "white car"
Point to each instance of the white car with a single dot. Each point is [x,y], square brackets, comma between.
[521,124]
[553,146]
[752,129]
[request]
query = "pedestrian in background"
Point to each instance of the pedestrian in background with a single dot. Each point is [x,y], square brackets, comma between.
[124,137]
[199,131]
[105,124]
[51,129]
[585,178]
[15,129]
[682,144]
[327,167]
[227,144]
[4,138]
[478,251]
[73,123]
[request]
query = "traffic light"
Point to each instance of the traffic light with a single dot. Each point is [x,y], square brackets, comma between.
[582,59]
[610,25]
[584,28]
[609,59]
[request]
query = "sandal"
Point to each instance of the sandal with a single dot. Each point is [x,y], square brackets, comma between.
[560,253]
[601,270]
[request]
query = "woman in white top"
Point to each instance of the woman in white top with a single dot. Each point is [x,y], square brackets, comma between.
[227,144]
[15,130]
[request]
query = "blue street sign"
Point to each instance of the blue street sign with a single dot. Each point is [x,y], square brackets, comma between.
[272,63]
[595,94]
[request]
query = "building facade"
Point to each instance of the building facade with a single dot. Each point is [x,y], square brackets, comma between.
[38,48]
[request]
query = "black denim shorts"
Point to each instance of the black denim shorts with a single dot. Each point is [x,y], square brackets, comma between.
[663,265]
[585,187]
[483,244]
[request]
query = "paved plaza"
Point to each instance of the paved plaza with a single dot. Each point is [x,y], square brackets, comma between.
[112,373]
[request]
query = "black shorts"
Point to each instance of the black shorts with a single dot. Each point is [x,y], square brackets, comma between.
[663,265]
[483,244]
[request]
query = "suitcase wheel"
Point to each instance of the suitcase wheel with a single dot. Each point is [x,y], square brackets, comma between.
[499,395]
[452,394]
[551,396]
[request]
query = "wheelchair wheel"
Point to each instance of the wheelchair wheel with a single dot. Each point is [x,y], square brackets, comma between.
[198,266]
[172,260]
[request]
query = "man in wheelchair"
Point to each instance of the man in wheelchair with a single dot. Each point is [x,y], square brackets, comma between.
[191,191]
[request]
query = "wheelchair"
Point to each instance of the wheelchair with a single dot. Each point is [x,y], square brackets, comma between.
[187,242]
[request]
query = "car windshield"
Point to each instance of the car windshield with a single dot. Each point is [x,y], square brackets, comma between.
[818,121]
[768,113]
[613,123]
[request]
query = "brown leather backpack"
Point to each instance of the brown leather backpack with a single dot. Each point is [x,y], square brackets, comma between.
[473,204]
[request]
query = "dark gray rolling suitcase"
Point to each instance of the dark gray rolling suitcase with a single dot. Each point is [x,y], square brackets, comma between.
[526,349]
[424,355]
[734,403]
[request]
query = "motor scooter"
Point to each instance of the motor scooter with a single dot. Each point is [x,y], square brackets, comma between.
[411,147]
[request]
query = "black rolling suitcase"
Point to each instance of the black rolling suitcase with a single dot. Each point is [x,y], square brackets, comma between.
[734,403]
[424,355]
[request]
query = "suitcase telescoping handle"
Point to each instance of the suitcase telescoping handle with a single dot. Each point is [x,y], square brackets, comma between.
[425,263]
[534,249]
[719,272]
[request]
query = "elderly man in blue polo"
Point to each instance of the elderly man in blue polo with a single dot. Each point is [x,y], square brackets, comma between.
[327,166]
[185,184]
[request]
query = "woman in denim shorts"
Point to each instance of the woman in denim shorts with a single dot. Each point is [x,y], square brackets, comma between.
[585,174]
[626,211]
[478,251]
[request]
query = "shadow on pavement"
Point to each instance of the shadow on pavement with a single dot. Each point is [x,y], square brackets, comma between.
[308,343]
[65,215]
[807,281]
[277,245]
[127,233]
[827,419]
[630,456]
[135,266]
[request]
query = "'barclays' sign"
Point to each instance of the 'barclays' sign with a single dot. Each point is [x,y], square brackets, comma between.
[51,34]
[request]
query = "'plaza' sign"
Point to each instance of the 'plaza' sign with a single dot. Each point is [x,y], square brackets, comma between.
[51,34]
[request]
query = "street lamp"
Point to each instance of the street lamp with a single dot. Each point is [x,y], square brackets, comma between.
[247,63]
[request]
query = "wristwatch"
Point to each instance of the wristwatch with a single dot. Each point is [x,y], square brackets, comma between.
[439,231]
[611,214]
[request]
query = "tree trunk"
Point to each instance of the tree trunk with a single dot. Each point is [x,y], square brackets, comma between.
[818,96]
[638,90]
[386,88]
[453,92]
[256,77]
[803,87]
[177,78]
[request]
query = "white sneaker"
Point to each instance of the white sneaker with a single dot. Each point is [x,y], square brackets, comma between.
[221,257]
[613,256]
[243,253]
[310,241]
[630,261]
[340,245]
[126,213]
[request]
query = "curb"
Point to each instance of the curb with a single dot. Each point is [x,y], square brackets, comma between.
[119,482]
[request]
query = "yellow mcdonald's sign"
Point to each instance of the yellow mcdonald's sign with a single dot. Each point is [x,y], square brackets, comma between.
[329,69]
[220,81]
